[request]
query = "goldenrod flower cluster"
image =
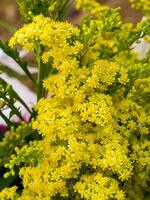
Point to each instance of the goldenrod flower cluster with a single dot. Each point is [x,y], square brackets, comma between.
[46,32]
[94,122]
[9,193]
[17,138]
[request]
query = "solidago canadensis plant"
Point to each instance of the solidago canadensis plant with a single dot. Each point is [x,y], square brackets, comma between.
[90,137]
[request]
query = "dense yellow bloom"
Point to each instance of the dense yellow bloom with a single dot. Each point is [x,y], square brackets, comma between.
[94,122]
[97,186]
[48,33]
[36,183]
[8,193]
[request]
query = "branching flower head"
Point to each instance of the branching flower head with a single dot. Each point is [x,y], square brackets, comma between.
[94,122]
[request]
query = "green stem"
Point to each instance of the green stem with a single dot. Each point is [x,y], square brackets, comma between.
[61,10]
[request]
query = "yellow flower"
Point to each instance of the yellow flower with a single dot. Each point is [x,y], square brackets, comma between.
[9,193]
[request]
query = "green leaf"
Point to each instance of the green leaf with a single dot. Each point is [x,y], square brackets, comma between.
[15,56]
